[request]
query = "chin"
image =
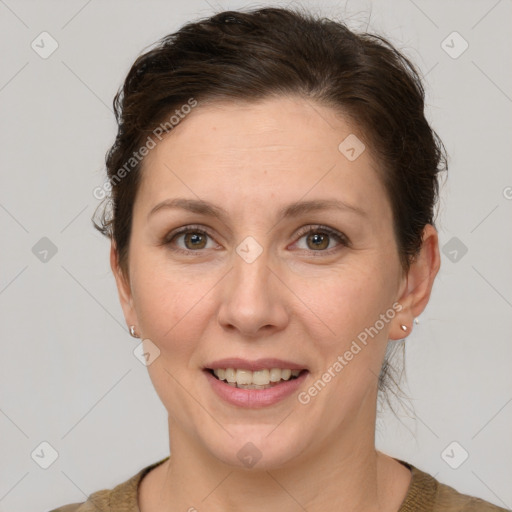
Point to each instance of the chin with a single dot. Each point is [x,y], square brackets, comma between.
[258,447]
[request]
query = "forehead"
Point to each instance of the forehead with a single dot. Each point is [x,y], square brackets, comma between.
[271,124]
[278,147]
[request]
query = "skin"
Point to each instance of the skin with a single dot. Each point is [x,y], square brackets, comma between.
[293,302]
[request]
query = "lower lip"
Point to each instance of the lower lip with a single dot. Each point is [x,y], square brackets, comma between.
[255,398]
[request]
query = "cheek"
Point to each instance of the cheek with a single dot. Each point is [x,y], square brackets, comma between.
[350,340]
[172,309]
[171,306]
[342,303]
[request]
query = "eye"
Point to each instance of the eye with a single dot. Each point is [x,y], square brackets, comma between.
[193,238]
[319,238]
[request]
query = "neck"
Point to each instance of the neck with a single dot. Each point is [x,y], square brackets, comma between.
[343,470]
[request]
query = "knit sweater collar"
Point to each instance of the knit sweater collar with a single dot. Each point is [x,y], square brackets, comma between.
[420,496]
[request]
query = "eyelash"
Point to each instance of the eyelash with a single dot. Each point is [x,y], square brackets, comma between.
[317,229]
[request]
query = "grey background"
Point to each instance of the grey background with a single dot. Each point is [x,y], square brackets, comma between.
[68,375]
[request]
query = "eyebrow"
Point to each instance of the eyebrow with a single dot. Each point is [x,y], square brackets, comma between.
[292,210]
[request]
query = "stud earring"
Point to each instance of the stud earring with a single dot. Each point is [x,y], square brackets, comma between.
[403,327]
[132,331]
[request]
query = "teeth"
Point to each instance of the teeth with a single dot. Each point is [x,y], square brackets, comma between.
[259,379]
[244,377]
[230,375]
[275,375]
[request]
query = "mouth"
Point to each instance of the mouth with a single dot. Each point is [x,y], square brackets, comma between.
[260,379]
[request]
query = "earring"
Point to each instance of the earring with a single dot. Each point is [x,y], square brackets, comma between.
[403,327]
[132,331]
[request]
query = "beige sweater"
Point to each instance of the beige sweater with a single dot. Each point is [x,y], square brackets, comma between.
[425,494]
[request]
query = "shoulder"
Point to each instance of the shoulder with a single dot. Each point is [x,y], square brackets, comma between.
[448,499]
[123,497]
[429,495]
[97,502]
[72,507]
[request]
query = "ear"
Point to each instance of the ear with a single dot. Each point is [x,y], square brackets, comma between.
[417,284]
[123,287]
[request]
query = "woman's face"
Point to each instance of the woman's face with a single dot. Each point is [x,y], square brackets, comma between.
[254,284]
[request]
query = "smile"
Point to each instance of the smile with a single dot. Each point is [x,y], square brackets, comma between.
[260,379]
[241,387]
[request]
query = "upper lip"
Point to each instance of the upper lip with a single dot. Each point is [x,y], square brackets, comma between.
[258,364]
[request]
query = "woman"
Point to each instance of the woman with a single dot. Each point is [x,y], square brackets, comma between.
[273,185]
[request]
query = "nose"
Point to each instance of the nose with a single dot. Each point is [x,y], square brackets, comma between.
[253,298]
